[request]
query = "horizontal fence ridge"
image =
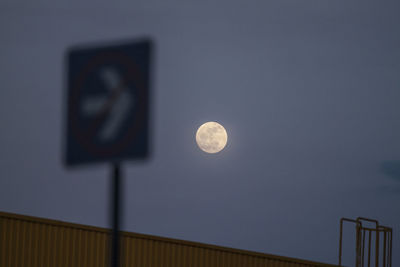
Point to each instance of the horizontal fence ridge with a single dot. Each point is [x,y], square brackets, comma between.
[36,242]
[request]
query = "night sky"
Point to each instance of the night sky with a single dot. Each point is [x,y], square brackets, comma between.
[308,92]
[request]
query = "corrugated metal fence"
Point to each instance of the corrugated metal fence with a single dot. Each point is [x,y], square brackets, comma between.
[33,242]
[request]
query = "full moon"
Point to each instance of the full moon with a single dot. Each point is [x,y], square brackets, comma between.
[211,137]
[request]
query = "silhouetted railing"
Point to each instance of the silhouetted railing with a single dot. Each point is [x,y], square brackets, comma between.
[363,234]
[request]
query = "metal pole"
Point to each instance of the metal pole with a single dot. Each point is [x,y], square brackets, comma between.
[377,248]
[115,217]
[358,245]
[363,248]
[391,236]
[369,248]
[384,247]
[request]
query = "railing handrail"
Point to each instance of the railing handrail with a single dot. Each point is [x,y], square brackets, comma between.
[361,233]
[358,227]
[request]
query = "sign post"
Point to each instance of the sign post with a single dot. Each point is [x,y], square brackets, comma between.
[116,214]
[108,113]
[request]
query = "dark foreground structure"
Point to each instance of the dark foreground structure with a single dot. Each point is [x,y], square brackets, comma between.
[34,242]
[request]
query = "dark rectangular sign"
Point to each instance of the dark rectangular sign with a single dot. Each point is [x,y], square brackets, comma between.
[108,94]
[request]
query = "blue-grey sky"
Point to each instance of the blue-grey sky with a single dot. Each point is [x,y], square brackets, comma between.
[307,90]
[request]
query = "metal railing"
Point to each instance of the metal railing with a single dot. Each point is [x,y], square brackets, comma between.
[363,233]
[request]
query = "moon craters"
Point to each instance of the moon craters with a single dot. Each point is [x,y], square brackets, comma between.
[211,137]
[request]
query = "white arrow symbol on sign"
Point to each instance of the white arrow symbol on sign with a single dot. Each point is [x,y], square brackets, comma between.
[120,106]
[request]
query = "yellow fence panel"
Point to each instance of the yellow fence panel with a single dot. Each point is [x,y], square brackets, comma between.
[35,242]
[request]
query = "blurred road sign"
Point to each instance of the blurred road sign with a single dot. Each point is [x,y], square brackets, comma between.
[108,103]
